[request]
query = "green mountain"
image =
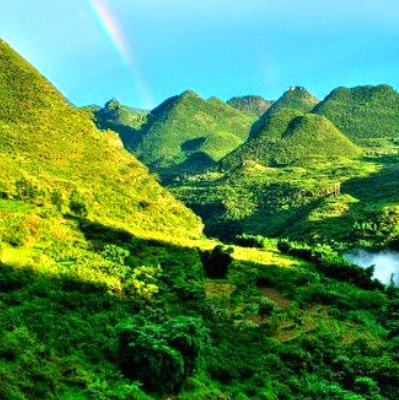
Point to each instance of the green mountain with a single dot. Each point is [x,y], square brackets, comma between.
[297,98]
[253,105]
[126,121]
[109,291]
[367,114]
[187,133]
[289,137]
[44,142]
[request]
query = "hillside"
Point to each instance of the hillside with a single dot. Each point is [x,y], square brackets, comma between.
[297,98]
[126,121]
[187,133]
[109,291]
[367,114]
[313,138]
[44,142]
[253,105]
[289,137]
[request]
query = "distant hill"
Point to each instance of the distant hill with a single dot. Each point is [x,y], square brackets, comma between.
[291,137]
[297,98]
[367,114]
[253,105]
[186,133]
[48,147]
[126,121]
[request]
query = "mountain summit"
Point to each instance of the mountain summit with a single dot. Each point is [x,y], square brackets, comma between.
[297,98]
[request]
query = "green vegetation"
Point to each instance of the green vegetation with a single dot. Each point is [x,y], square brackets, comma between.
[296,98]
[109,291]
[291,138]
[367,114]
[184,134]
[253,105]
[126,121]
[51,152]
[344,203]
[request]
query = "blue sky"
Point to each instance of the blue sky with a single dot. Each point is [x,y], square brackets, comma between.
[214,47]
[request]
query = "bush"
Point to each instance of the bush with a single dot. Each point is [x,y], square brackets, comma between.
[245,240]
[161,355]
[216,262]
[77,205]
[25,190]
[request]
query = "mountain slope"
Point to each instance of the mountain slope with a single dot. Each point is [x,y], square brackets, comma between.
[367,114]
[187,133]
[289,137]
[126,121]
[312,137]
[103,295]
[44,142]
[253,105]
[297,98]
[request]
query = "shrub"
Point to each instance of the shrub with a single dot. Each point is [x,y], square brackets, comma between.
[25,190]
[56,199]
[245,240]
[216,262]
[77,205]
[161,355]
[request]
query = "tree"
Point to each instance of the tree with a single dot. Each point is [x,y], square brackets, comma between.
[161,355]
[216,262]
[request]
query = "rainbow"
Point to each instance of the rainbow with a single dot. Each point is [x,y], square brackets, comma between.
[114,34]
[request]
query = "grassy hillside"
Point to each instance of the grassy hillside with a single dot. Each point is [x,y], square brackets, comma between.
[253,105]
[187,133]
[44,143]
[367,114]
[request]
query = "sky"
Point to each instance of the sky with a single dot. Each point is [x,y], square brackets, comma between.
[144,51]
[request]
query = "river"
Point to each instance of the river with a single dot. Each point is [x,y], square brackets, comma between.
[386,263]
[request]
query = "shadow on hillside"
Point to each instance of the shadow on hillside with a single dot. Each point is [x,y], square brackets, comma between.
[372,193]
[130,136]
[380,186]
[261,222]
[195,163]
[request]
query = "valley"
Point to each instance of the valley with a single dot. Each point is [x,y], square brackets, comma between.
[194,251]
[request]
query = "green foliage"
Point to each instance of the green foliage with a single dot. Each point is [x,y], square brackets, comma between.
[290,137]
[297,98]
[47,145]
[77,205]
[332,264]
[363,113]
[25,190]
[178,122]
[253,105]
[117,307]
[161,355]
[126,121]
[250,241]
[217,261]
